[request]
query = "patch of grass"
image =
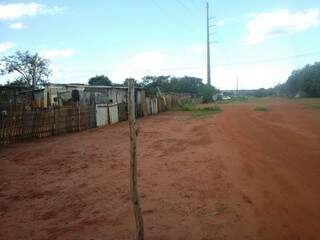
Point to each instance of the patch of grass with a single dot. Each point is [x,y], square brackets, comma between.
[313,106]
[240,99]
[200,111]
[187,107]
[221,209]
[261,109]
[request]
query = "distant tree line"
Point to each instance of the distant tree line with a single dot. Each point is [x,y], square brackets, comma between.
[155,85]
[261,92]
[186,84]
[305,82]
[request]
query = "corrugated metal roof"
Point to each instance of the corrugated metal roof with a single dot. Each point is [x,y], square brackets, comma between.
[87,86]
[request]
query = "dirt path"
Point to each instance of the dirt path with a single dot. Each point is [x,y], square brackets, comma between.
[239,174]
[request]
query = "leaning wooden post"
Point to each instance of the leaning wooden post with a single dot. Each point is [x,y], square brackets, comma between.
[133,162]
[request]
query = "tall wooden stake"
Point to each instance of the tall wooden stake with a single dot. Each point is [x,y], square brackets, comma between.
[133,162]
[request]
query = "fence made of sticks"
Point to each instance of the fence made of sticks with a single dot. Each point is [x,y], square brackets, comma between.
[38,123]
[21,125]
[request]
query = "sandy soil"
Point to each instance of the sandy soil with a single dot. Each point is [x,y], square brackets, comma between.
[239,174]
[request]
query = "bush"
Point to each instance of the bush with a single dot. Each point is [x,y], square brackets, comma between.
[199,111]
[261,109]
[207,92]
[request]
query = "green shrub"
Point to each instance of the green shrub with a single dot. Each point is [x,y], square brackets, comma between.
[261,109]
[199,111]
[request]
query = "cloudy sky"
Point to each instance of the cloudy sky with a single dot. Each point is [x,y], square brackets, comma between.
[262,41]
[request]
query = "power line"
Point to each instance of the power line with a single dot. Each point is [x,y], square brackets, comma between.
[182,67]
[160,8]
[196,4]
[177,22]
[269,60]
[244,62]
[184,6]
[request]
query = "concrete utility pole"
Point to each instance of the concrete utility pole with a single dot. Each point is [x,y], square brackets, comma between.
[208,48]
[237,84]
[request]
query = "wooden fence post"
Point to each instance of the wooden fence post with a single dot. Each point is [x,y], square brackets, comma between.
[133,162]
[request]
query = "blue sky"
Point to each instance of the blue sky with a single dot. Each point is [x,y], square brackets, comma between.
[262,41]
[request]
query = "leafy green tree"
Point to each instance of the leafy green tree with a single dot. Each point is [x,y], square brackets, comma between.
[305,81]
[126,81]
[206,92]
[186,84]
[32,69]
[152,83]
[100,80]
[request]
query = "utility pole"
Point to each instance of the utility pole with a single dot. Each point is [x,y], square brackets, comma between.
[237,84]
[208,48]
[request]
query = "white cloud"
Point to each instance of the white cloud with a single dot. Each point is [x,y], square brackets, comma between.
[185,62]
[5,46]
[17,10]
[57,53]
[53,10]
[70,74]
[17,25]
[198,49]
[266,25]
[156,62]
[223,22]
[146,63]
[251,76]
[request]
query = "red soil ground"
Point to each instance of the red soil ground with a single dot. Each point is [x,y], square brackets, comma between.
[239,174]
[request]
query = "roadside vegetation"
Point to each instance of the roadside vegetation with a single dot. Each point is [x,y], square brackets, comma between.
[198,111]
[304,82]
[261,109]
[313,106]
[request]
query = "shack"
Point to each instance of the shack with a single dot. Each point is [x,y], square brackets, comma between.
[65,94]
[17,98]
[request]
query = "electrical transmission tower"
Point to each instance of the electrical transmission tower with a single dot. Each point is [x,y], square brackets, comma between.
[208,45]
[237,87]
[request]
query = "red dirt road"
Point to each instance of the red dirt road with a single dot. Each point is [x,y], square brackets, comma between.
[239,174]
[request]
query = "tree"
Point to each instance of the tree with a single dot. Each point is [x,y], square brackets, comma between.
[126,82]
[100,81]
[186,84]
[31,68]
[206,92]
[152,83]
[305,81]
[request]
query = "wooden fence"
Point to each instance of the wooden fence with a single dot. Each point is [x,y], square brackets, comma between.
[18,126]
[38,123]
